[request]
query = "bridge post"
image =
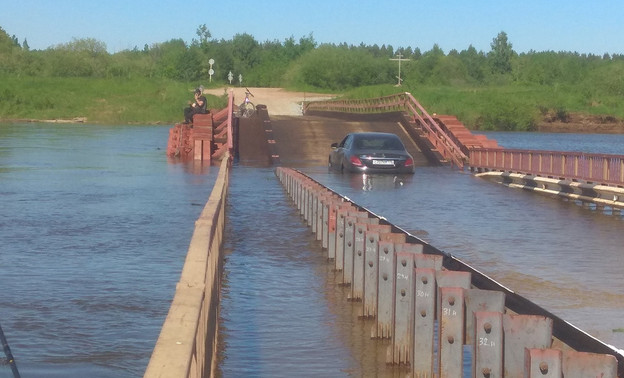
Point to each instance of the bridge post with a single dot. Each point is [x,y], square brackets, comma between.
[450,278]
[481,300]
[487,357]
[359,256]
[424,321]
[349,241]
[583,364]
[542,363]
[311,208]
[400,352]
[320,205]
[451,332]
[357,282]
[428,262]
[326,204]
[302,193]
[340,238]
[334,228]
[382,328]
[331,230]
[371,256]
[523,332]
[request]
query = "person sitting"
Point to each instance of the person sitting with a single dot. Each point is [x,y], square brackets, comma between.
[197,107]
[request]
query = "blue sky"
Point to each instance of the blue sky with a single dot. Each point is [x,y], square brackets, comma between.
[583,26]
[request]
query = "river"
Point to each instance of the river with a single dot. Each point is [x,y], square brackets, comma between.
[96,223]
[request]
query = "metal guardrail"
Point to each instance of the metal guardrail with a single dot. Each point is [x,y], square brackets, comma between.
[574,166]
[187,344]
[408,286]
[404,102]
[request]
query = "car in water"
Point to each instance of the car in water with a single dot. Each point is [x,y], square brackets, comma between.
[371,152]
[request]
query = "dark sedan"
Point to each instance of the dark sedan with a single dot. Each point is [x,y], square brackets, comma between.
[371,153]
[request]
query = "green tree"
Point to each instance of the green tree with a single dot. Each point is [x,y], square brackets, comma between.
[6,42]
[423,71]
[168,56]
[475,63]
[501,54]
[245,51]
[204,35]
[339,67]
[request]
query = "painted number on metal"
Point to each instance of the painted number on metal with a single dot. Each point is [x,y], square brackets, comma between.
[402,276]
[484,341]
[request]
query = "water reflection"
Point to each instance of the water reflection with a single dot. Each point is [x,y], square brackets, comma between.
[196,168]
[377,182]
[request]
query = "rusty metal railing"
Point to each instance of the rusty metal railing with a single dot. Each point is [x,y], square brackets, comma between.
[406,286]
[404,102]
[574,166]
[187,344]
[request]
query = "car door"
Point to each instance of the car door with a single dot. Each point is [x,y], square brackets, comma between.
[337,154]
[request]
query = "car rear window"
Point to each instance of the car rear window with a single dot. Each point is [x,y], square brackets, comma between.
[379,143]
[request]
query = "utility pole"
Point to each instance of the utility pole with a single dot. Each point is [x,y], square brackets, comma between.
[400,59]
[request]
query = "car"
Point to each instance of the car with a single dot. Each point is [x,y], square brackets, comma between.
[371,152]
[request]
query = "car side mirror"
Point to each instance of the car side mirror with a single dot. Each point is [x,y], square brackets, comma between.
[334,145]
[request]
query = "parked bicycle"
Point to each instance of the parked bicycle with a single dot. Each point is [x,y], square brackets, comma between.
[247,108]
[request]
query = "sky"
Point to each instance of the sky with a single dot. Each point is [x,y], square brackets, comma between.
[589,26]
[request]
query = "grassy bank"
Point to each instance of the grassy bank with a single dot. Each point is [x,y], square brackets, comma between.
[506,107]
[148,101]
[107,101]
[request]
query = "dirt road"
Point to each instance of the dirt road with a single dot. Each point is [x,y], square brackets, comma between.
[278,100]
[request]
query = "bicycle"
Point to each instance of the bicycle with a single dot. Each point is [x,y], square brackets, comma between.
[247,108]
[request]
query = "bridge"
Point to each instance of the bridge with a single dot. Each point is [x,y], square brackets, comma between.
[425,303]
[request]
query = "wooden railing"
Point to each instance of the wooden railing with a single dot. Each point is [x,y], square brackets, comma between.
[187,344]
[404,102]
[575,166]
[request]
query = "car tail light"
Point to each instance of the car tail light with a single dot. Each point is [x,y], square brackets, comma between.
[409,162]
[356,161]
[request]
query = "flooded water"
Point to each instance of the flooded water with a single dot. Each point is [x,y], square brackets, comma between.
[96,223]
[94,229]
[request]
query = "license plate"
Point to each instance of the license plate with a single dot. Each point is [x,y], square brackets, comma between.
[383,162]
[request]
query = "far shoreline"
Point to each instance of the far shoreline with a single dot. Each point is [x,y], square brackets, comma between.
[576,123]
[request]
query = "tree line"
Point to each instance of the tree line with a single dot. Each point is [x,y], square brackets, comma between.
[306,63]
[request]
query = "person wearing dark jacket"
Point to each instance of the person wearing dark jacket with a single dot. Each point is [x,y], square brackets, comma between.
[197,107]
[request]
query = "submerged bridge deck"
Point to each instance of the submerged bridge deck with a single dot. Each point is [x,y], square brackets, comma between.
[426,304]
